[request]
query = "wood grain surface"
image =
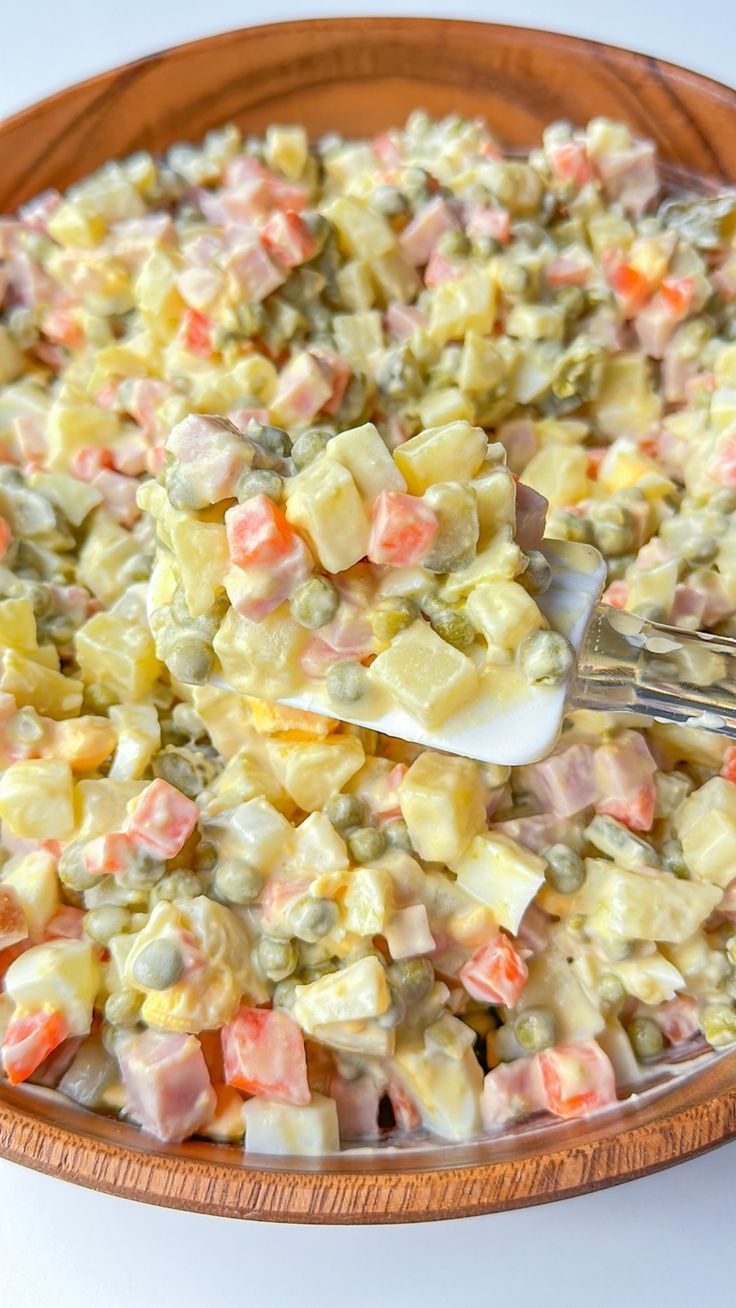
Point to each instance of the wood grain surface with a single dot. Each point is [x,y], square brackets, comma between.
[358,76]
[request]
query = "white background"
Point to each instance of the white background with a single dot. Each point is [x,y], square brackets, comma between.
[667,1240]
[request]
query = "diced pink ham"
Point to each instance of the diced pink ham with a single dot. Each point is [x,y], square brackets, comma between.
[289,239]
[678,1019]
[536,833]
[565,783]
[200,287]
[407,932]
[655,326]
[241,417]
[345,638]
[403,319]
[37,212]
[441,269]
[119,494]
[66,924]
[419,238]
[215,448]
[722,463]
[406,1113]
[534,928]
[336,372]
[624,778]
[511,1092]
[688,608]
[255,273]
[29,430]
[531,514]
[519,441]
[168,1088]
[480,221]
[572,268]
[250,202]
[135,236]
[130,454]
[141,397]
[630,176]
[202,249]
[303,390]
[357,1106]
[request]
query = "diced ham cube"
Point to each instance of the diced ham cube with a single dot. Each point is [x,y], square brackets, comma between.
[483,221]
[258,533]
[36,213]
[406,1113]
[576,1079]
[624,776]
[441,269]
[572,269]
[565,782]
[419,238]
[200,287]
[195,333]
[254,272]
[337,372]
[630,176]
[678,1019]
[496,973]
[533,932]
[163,819]
[407,932]
[167,1084]
[29,430]
[257,591]
[119,494]
[287,236]
[13,925]
[511,1092]
[531,514]
[402,529]
[569,162]
[263,1053]
[357,1106]
[688,607]
[519,440]
[304,389]
[66,924]
[403,319]
[131,454]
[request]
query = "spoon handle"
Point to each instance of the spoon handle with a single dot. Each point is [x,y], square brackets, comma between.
[631,665]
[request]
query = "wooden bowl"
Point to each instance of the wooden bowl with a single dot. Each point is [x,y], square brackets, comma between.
[359,76]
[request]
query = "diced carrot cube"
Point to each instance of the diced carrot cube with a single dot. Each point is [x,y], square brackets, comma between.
[163,820]
[257,533]
[402,529]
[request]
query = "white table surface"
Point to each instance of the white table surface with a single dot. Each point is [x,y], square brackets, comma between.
[666,1240]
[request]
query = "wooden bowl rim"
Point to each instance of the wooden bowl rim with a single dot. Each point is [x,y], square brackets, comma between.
[696,1115]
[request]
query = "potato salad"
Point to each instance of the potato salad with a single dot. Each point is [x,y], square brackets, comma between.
[294,414]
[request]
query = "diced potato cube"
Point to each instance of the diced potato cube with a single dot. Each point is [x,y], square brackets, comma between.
[71,427]
[364,234]
[157,294]
[310,771]
[641,906]
[363,452]
[368,901]
[496,499]
[18,625]
[245,777]
[502,874]
[449,404]
[36,799]
[317,847]
[552,983]
[500,560]
[450,453]
[560,473]
[117,653]
[48,691]
[139,737]
[74,226]
[716,795]
[325,505]
[272,1128]
[465,304]
[108,558]
[355,285]
[261,658]
[395,278]
[445,1089]
[102,806]
[287,150]
[536,322]
[482,366]
[443,803]
[709,847]
[227,1122]
[353,994]
[366,1038]
[652,979]
[75,498]
[359,338]
[226,716]
[626,403]
[61,974]
[202,555]
[262,833]
[504,613]
[425,675]
[35,883]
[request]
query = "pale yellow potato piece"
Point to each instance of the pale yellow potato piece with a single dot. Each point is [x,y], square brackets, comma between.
[445,1089]
[425,675]
[202,555]
[364,234]
[42,687]
[368,901]
[261,658]
[465,304]
[36,799]
[311,771]
[443,803]
[325,505]
[18,625]
[560,473]
[61,974]
[357,993]
[364,453]
[118,653]
[647,906]
[449,453]
[36,884]
[504,613]
[272,1128]
[502,874]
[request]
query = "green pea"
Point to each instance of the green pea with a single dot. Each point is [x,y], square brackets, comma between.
[537,575]
[535,1029]
[145,872]
[273,439]
[452,244]
[397,835]
[724,501]
[546,658]
[189,660]
[565,870]
[72,872]
[109,1037]
[284,993]
[320,227]
[105,922]
[344,812]
[568,526]
[314,603]
[413,977]
[276,958]
[392,615]
[513,279]
[122,1007]
[647,1040]
[673,859]
[456,509]
[396,1011]
[366,845]
[184,769]
[388,201]
[308,447]
[238,881]
[571,300]
[312,918]
[177,885]
[610,988]
[700,548]
[346,682]
[718,1024]
[159,965]
[455,628]
[206,855]
[185,492]
[260,481]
